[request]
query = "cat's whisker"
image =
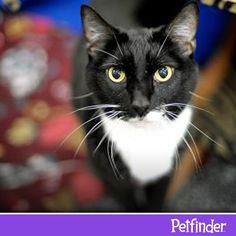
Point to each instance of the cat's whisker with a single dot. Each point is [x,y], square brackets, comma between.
[186,142]
[190,135]
[197,128]
[195,147]
[93,107]
[111,158]
[101,141]
[207,136]
[109,64]
[192,153]
[200,97]
[118,45]
[100,50]
[194,143]
[93,129]
[167,35]
[177,158]
[103,138]
[164,41]
[83,96]
[179,105]
[79,127]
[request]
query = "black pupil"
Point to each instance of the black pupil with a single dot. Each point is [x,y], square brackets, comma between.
[163,72]
[116,73]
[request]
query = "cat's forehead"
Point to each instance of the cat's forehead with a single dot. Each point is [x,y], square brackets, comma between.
[139,44]
[143,32]
[142,40]
[137,33]
[139,37]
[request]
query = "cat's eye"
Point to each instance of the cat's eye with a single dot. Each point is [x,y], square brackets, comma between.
[116,75]
[164,73]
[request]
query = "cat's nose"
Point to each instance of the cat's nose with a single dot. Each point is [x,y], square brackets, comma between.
[140,110]
[140,106]
[140,103]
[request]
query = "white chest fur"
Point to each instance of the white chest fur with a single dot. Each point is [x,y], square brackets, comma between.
[148,146]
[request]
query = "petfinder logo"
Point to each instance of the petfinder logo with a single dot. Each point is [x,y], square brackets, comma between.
[195,226]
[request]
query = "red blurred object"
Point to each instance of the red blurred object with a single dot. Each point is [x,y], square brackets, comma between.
[37,168]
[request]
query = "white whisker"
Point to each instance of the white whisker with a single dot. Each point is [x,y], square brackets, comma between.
[191,137]
[118,44]
[205,135]
[79,127]
[109,64]
[178,104]
[100,143]
[192,153]
[164,41]
[103,138]
[186,142]
[109,158]
[100,50]
[93,129]
[195,146]
[83,96]
[200,97]
[178,161]
[93,107]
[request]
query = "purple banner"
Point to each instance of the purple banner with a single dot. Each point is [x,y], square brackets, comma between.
[117,225]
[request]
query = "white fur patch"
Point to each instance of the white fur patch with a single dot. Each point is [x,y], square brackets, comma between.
[148,146]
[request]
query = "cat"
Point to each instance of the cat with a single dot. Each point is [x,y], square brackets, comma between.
[134,97]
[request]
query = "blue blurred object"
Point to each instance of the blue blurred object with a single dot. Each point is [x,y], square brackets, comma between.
[213,23]
[65,13]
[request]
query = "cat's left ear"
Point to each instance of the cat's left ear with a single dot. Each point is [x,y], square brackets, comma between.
[96,29]
[183,28]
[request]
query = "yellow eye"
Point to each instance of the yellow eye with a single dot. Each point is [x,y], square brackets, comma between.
[164,73]
[116,75]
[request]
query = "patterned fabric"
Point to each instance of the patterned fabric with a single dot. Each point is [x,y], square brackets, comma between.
[38,170]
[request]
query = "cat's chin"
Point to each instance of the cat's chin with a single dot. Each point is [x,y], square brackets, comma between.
[150,117]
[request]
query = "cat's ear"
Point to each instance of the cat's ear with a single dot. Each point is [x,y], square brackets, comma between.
[96,29]
[183,28]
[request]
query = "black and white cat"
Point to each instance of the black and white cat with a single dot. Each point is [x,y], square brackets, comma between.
[137,87]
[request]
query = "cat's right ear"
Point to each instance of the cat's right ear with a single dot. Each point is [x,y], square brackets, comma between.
[96,29]
[183,28]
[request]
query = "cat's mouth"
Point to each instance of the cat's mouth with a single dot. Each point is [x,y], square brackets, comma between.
[150,117]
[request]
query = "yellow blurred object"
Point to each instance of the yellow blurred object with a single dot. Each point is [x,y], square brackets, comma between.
[23,132]
[38,110]
[234,1]
[62,201]
[74,141]
[17,27]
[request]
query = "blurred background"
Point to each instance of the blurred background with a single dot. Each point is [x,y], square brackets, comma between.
[38,167]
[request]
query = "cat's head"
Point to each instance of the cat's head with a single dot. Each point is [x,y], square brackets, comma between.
[142,70]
